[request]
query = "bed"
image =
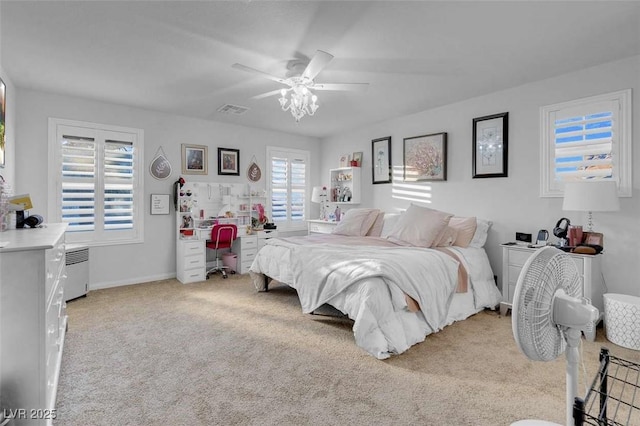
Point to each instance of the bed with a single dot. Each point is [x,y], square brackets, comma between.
[398,277]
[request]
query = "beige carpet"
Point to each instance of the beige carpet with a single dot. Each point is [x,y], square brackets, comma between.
[217,352]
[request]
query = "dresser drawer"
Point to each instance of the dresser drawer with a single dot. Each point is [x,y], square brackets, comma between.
[514,273]
[519,258]
[579,264]
[55,260]
[321,227]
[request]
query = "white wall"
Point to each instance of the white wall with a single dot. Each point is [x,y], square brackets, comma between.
[512,203]
[156,257]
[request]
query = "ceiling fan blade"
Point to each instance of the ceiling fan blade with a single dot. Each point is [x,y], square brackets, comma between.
[352,87]
[266,95]
[317,63]
[261,73]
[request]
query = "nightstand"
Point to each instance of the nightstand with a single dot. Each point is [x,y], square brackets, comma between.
[318,226]
[589,268]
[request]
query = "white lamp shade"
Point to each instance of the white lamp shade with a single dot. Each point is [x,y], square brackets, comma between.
[316,195]
[591,196]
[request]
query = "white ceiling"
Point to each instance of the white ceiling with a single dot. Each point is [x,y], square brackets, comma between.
[176,56]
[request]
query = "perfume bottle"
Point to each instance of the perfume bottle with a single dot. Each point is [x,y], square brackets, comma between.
[337,213]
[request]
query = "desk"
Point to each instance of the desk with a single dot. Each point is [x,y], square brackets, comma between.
[247,246]
[191,265]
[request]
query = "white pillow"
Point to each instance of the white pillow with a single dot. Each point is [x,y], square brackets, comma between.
[356,222]
[420,226]
[390,220]
[376,228]
[466,227]
[447,237]
[480,236]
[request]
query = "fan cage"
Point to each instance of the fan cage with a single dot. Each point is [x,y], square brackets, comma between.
[546,271]
[614,396]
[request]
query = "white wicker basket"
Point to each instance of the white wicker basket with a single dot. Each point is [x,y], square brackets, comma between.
[622,320]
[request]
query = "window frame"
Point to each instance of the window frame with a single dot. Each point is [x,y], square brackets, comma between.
[97,237]
[289,225]
[621,145]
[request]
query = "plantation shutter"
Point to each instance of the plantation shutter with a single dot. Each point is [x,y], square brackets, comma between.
[118,185]
[288,187]
[298,189]
[588,138]
[78,181]
[279,189]
[99,186]
[584,139]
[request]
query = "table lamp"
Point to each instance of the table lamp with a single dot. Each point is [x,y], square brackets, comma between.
[319,195]
[591,196]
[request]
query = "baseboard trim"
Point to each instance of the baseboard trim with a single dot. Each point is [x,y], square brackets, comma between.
[137,280]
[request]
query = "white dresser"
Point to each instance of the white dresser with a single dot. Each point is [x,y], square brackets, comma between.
[191,260]
[33,321]
[589,268]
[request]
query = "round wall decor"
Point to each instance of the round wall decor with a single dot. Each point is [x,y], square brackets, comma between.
[253,172]
[160,168]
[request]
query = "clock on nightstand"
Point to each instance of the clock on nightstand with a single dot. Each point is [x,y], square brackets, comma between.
[589,268]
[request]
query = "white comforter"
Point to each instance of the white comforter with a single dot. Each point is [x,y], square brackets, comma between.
[368,284]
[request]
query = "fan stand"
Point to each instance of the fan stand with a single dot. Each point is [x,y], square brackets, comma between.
[572,354]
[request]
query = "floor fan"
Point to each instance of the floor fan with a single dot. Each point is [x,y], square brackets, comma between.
[549,316]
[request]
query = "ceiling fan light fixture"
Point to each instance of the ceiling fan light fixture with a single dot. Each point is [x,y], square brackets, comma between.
[300,103]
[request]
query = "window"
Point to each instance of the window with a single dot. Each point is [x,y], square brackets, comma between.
[96,184]
[288,187]
[588,138]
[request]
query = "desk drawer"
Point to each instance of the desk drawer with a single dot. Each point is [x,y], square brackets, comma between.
[248,255]
[192,262]
[247,243]
[266,234]
[193,247]
[194,275]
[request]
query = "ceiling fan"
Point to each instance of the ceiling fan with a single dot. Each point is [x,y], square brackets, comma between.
[301,84]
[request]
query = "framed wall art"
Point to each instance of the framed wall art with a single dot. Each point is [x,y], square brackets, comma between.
[357,157]
[490,143]
[194,159]
[229,161]
[345,160]
[159,203]
[425,158]
[381,159]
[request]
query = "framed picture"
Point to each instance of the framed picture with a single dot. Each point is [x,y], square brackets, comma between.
[229,161]
[490,143]
[3,104]
[357,157]
[425,158]
[593,238]
[381,159]
[345,160]
[194,159]
[159,203]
